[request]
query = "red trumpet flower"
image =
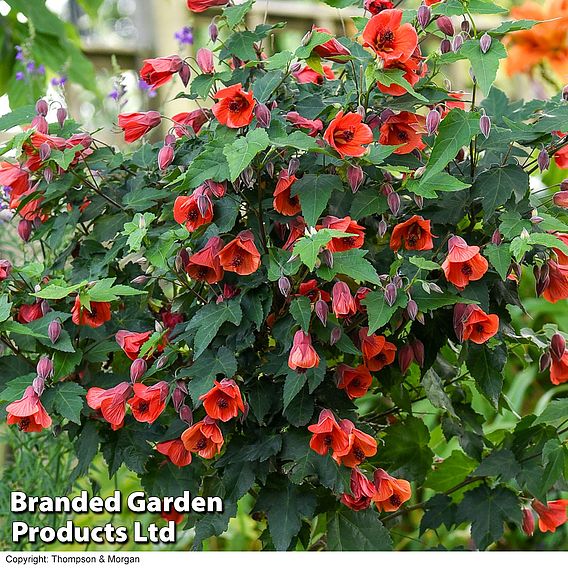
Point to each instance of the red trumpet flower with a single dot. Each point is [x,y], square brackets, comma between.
[175,451]
[390,493]
[283,201]
[110,402]
[327,433]
[136,124]
[463,264]
[94,316]
[347,225]
[362,490]
[377,351]
[403,130]
[131,342]
[552,515]
[331,49]
[223,401]
[28,412]
[347,134]
[302,355]
[158,71]
[205,264]
[413,234]
[354,381]
[187,210]
[235,107]
[148,402]
[203,438]
[240,255]
[359,446]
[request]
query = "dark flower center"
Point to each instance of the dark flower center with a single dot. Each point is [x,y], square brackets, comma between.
[237,104]
[143,407]
[466,269]
[202,273]
[356,383]
[202,443]
[402,135]
[24,423]
[347,135]
[349,241]
[395,500]
[328,440]
[359,454]
[237,260]
[222,403]
[192,215]
[479,328]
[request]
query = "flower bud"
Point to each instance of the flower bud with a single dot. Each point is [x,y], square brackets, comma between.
[433,119]
[336,334]
[445,46]
[40,124]
[293,166]
[263,116]
[161,362]
[424,16]
[185,73]
[405,358]
[412,309]
[142,279]
[295,67]
[137,369]
[382,228]
[393,201]
[5,269]
[45,307]
[543,160]
[355,177]
[528,521]
[48,175]
[204,204]
[178,397]
[270,169]
[445,25]
[284,286]
[420,318]
[557,346]
[61,116]
[204,60]
[38,385]
[485,42]
[25,230]
[496,238]
[45,368]
[418,350]
[213,32]
[54,330]
[544,361]
[465,26]
[165,156]
[322,310]
[561,199]
[457,43]
[419,200]
[186,415]
[42,107]
[390,294]
[306,39]
[485,125]
[542,279]
[327,257]
[44,151]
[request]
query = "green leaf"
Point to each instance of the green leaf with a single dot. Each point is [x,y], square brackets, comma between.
[316,38]
[513,26]
[56,292]
[243,150]
[486,367]
[453,470]
[356,530]
[487,509]
[495,186]
[292,386]
[285,505]
[554,456]
[19,116]
[279,60]
[500,258]
[547,240]
[512,224]
[456,130]
[15,388]
[308,247]
[378,311]
[137,229]
[439,510]
[392,77]
[368,202]
[5,307]
[442,181]
[500,463]
[353,264]
[236,14]
[105,291]
[555,412]
[299,140]
[64,363]
[485,65]
[210,163]
[66,399]
[434,388]
[301,409]
[301,311]
[314,192]
[265,85]
[424,263]
[435,300]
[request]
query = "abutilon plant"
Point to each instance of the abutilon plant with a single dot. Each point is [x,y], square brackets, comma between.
[305,291]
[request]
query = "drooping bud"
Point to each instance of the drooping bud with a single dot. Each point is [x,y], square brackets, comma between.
[418,350]
[205,61]
[263,116]
[336,334]
[306,39]
[42,107]
[397,281]
[54,330]
[457,43]
[25,230]
[322,310]
[420,318]
[485,42]
[185,73]
[496,237]
[5,269]
[543,160]
[48,175]
[61,116]
[382,228]
[405,358]
[445,25]
[419,200]
[445,46]
[284,286]
[485,125]
[393,201]
[45,368]
[544,361]
[433,119]
[137,369]
[465,26]
[561,199]
[213,32]
[161,362]
[165,156]
[412,309]
[542,278]
[44,151]
[557,346]
[178,397]
[38,385]
[355,177]
[424,16]
[142,279]
[186,415]
[204,204]
[528,521]
[40,124]
[293,166]
[390,293]
[182,258]
[45,307]
[270,169]
[327,258]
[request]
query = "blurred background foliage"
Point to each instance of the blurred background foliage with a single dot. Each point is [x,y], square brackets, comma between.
[86,52]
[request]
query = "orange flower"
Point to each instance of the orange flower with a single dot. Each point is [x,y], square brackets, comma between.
[283,201]
[390,40]
[343,304]
[14,177]
[194,119]
[302,355]
[414,234]
[28,412]
[359,447]
[131,342]
[347,225]
[310,289]
[235,107]
[110,402]
[158,71]
[187,210]
[414,69]
[463,263]
[176,452]
[562,258]
[29,312]
[96,315]
[331,49]
[391,492]
[308,75]
[546,42]
[327,433]
[223,401]
[403,130]
[136,124]
[559,369]
[313,126]
[362,490]
[557,282]
[202,5]
[205,264]
[471,322]
[347,133]
[377,351]
[148,402]
[240,255]
[354,381]
[203,438]
[552,515]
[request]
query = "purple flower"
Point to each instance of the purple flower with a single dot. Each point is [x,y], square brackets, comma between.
[20,76]
[19,53]
[41,70]
[114,95]
[184,36]
[30,66]
[143,86]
